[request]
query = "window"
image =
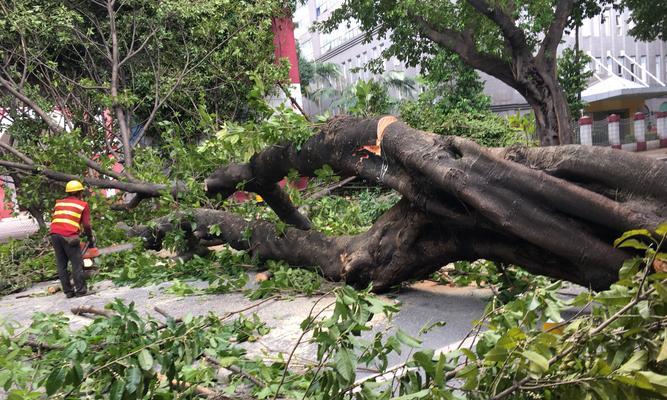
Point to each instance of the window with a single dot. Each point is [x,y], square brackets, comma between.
[586,28]
[302,21]
[364,61]
[307,49]
[633,70]
[642,62]
[357,64]
[609,66]
[619,25]
[598,65]
[621,63]
[607,23]
[658,69]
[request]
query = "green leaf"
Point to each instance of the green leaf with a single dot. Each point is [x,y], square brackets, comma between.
[117,389]
[634,243]
[133,376]
[5,376]
[145,360]
[227,361]
[631,233]
[662,291]
[55,380]
[407,340]
[496,354]
[74,375]
[470,354]
[425,360]
[663,349]
[661,230]
[629,268]
[636,380]
[416,395]
[655,379]
[635,363]
[537,360]
[345,364]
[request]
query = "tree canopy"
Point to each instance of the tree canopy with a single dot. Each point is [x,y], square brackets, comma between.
[144,61]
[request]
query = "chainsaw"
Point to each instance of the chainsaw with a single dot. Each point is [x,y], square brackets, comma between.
[90,253]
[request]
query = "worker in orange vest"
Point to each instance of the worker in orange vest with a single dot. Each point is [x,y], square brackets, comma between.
[70,215]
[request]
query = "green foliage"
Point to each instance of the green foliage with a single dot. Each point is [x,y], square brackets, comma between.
[174,52]
[223,270]
[238,142]
[23,262]
[454,104]
[452,86]
[486,128]
[524,127]
[573,75]
[507,281]
[649,19]
[287,280]
[123,356]
[615,347]
[370,98]
[349,215]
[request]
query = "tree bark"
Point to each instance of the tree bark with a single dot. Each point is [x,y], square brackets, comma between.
[554,211]
[549,104]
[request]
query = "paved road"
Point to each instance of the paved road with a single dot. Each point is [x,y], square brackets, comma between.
[421,304]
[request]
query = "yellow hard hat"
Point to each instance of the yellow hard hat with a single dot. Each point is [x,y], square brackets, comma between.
[73,186]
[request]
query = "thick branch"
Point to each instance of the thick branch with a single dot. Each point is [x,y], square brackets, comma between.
[17,153]
[144,189]
[463,44]
[455,181]
[19,95]
[547,52]
[115,74]
[513,34]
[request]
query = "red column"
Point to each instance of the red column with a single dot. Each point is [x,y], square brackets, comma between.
[285,47]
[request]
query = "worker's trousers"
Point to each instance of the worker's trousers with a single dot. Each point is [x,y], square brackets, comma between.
[67,249]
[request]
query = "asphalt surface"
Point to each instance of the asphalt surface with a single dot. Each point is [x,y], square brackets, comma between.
[421,304]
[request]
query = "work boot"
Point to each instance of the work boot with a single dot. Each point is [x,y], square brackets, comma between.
[69,295]
[81,294]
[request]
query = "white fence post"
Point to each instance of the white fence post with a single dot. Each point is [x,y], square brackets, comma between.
[661,124]
[586,131]
[614,131]
[640,131]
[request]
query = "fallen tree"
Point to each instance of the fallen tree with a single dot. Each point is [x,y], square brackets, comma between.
[554,211]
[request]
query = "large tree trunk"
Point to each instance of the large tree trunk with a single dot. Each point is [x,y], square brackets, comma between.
[547,99]
[554,211]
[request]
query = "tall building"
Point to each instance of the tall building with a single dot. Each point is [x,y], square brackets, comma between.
[343,47]
[642,66]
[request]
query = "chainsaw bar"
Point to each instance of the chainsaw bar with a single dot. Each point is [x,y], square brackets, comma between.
[106,250]
[116,248]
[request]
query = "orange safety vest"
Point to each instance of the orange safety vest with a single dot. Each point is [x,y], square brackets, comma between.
[66,219]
